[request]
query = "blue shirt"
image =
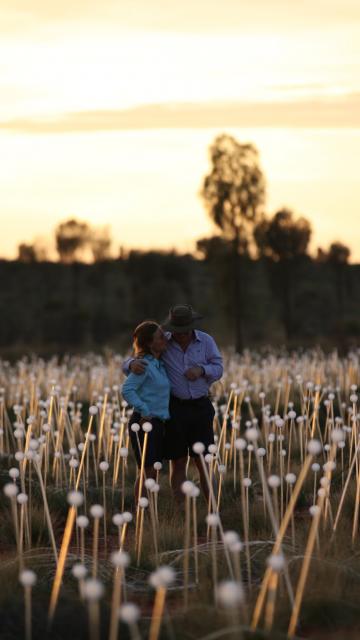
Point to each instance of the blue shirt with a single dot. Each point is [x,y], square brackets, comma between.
[149,392]
[202,351]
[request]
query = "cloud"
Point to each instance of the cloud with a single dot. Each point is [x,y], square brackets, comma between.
[178,15]
[320,113]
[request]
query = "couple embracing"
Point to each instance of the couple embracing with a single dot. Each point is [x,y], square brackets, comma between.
[168,385]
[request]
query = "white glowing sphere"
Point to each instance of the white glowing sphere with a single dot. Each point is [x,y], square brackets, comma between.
[212,519]
[329,466]
[96,511]
[230,538]
[230,594]
[120,559]
[93,589]
[79,571]
[118,519]
[240,444]
[27,578]
[127,516]
[314,447]
[163,577]
[198,448]
[195,492]
[276,562]
[82,522]
[274,481]
[129,613]
[75,498]
[187,487]
[10,490]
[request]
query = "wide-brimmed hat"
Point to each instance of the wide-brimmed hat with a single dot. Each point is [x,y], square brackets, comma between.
[181,318]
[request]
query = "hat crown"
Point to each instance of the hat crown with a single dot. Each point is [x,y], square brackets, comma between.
[181,314]
[182,318]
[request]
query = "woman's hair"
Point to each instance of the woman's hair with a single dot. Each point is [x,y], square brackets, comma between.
[143,337]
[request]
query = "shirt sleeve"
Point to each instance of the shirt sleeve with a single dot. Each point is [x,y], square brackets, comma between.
[214,363]
[130,390]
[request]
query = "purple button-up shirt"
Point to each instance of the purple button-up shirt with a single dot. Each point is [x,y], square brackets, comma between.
[202,351]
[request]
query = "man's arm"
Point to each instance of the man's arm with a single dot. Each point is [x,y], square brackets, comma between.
[134,365]
[214,363]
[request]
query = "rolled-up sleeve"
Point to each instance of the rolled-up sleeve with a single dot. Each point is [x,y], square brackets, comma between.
[213,368]
[130,392]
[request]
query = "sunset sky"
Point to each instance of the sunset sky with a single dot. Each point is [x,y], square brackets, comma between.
[107,109]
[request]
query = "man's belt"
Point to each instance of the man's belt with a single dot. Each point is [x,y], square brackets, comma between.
[188,401]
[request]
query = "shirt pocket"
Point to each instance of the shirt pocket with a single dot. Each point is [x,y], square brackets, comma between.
[197,357]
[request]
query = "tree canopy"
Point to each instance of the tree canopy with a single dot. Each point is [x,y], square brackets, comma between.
[283,236]
[234,190]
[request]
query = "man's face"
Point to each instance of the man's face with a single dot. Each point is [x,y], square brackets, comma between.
[183,338]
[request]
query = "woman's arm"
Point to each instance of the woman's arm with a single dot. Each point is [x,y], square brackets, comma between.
[130,390]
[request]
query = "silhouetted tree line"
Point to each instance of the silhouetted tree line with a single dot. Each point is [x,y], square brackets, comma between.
[54,306]
[255,280]
[75,240]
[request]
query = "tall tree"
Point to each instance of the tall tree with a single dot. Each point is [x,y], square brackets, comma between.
[234,196]
[32,252]
[72,237]
[283,237]
[100,244]
[338,257]
[26,253]
[338,253]
[284,240]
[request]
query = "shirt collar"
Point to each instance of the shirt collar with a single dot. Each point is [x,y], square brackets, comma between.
[151,358]
[196,336]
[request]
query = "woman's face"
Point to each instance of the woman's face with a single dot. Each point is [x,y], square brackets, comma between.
[159,342]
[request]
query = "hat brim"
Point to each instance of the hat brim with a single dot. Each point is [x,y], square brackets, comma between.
[169,326]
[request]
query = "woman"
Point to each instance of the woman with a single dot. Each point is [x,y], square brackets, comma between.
[149,394]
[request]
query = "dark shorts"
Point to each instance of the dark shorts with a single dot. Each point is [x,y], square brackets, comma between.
[155,441]
[190,422]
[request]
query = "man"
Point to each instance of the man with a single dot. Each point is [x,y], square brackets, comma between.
[193,362]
